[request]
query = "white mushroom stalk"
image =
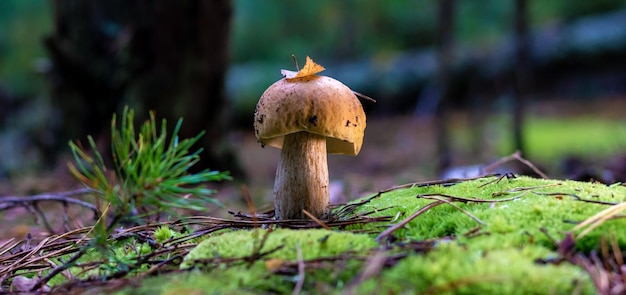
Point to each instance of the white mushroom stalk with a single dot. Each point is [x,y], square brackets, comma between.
[307,116]
[302,177]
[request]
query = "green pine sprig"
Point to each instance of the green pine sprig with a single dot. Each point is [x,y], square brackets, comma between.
[151,170]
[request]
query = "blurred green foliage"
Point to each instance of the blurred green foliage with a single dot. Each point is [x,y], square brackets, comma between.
[23,24]
[273,30]
[354,29]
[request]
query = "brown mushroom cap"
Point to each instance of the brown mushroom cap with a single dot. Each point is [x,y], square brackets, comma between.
[315,104]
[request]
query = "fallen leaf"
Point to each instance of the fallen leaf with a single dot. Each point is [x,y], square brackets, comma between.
[310,68]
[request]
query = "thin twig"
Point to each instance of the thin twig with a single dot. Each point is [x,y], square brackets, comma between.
[8,202]
[317,220]
[465,200]
[44,220]
[256,251]
[458,208]
[619,259]
[518,155]
[515,156]
[295,61]
[301,273]
[444,182]
[5,249]
[363,96]
[402,223]
[523,189]
[497,180]
[576,197]
[246,195]
[373,267]
[344,210]
[82,251]
[598,219]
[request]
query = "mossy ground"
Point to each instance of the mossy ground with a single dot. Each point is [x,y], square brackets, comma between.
[500,256]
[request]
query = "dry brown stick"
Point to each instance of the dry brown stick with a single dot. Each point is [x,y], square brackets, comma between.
[246,195]
[322,224]
[402,223]
[43,218]
[8,202]
[515,156]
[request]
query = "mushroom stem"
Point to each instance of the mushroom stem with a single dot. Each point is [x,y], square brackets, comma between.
[302,177]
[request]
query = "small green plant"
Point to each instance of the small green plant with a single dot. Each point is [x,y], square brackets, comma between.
[163,233]
[150,176]
[150,172]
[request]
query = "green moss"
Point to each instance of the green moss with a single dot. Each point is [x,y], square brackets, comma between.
[516,222]
[242,278]
[313,244]
[454,269]
[164,233]
[499,256]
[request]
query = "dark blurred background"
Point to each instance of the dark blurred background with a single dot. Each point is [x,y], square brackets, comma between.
[458,83]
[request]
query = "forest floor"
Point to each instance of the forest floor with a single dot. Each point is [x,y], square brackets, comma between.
[396,150]
[402,149]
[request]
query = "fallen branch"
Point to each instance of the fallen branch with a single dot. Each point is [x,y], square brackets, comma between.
[9,202]
[31,203]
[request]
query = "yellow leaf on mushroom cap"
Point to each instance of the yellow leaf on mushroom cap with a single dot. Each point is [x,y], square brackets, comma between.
[310,68]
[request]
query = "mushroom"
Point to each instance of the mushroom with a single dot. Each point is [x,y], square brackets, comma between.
[307,116]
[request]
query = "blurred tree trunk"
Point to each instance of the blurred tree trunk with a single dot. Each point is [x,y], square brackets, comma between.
[444,48]
[521,78]
[163,55]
